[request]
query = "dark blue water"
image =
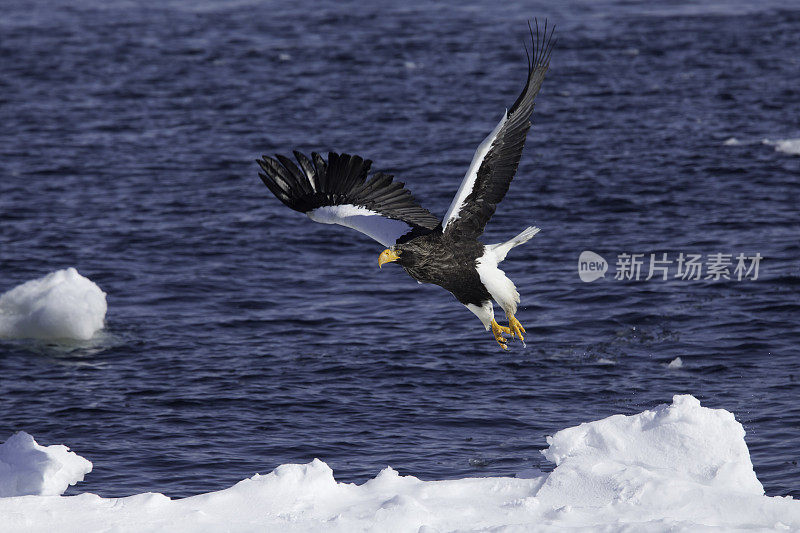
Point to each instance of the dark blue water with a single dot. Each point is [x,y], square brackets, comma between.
[241,336]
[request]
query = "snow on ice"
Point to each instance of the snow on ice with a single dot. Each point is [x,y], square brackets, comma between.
[61,305]
[28,468]
[678,467]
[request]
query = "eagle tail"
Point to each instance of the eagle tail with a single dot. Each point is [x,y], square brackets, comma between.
[500,250]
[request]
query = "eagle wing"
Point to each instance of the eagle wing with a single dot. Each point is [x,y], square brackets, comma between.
[496,159]
[337,191]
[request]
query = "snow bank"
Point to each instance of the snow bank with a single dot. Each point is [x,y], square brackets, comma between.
[680,463]
[679,467]
[61,305]
[28,468]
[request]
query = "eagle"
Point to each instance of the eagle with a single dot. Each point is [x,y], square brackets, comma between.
[444,252]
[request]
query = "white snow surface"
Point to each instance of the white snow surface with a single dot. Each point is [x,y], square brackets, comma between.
[61,305]
[28,468]
[678,467]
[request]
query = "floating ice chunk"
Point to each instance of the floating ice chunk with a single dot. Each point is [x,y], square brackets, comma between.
[61,305]
[28,468]
[786,146]
[733,141]
[675,363]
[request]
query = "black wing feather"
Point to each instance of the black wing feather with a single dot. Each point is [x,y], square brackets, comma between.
[339,181]
[500,164]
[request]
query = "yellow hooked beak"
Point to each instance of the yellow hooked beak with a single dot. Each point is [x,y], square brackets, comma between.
[387,256]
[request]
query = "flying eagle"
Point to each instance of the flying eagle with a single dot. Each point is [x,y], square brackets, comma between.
[446,253]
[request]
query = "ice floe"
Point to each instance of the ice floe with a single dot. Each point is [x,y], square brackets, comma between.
[678,467]
[60,305]
[675,363]
[786,146]
[28,468]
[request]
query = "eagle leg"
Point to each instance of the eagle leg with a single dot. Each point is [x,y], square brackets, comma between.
[516,328]
[498,331]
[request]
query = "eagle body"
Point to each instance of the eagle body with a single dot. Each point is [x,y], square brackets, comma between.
[446,252]
[447,262]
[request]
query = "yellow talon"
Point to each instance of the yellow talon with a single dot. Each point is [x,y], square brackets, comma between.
[516,328]
[498,331]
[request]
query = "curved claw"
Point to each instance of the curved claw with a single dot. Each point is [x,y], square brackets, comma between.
[516,328]
[497,331]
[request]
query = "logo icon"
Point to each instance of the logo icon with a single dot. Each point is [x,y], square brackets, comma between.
[591,266]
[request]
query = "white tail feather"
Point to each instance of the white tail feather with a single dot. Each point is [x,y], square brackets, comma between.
[500,250]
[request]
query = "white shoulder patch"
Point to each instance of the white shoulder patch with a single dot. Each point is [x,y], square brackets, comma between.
[472,173]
